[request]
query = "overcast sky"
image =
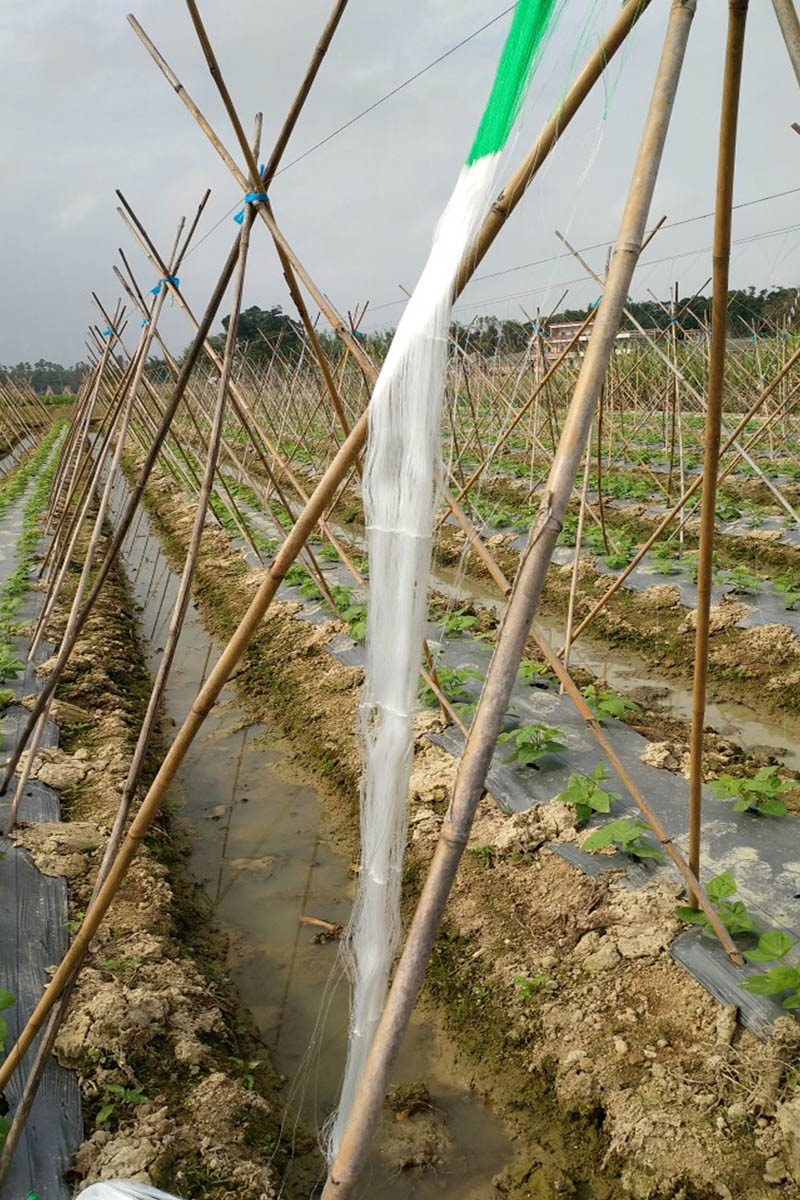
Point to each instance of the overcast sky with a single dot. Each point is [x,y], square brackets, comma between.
[86,111]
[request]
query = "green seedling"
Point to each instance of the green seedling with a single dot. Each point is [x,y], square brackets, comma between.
[10,665]
[744,582]
[569,530]
[7,1000]
[627,835]
[309,590]
[355,615]
[621,555]
[780,979]
[593,540]
[117,1095]
[787,584]
[760,794]
[528,987]
[690,564]
[587,796]
[532,742]
[726,509]
[248,1067]
[452,682]
[773,946]
[664,565]
[485,857]
[340,596]
[605,703]
[732,913]
[458,622]
[535,673]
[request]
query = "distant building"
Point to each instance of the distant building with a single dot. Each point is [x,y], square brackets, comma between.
[561,333]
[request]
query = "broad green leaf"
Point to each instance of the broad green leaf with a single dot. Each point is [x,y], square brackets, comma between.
[776,980]
[721,886]
[598,840]
[601,801]
[773,807]
[642,849]
[7,1000]
[772,946]
[693,916]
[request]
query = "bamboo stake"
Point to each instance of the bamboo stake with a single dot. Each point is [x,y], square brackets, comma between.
[790,28]
[737,18]
[495,695]
[573,587]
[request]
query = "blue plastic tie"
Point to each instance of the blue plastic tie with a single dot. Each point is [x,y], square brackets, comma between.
[173,279]
[597,301]
[251,198]
[146,321]
[106,332]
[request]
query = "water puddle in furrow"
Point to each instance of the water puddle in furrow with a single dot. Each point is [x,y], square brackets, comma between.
[626,670]
[260,852]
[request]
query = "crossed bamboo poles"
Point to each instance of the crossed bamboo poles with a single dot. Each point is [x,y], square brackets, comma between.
[520,611]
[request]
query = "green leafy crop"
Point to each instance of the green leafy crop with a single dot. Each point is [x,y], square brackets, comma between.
[627,835]
[532,742]
[732,913]
[760,794]
[586,795]
[606,703]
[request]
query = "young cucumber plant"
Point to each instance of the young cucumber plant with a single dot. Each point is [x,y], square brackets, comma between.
[452,681]
[761,794]
[627,835]
[355,616]
[773,947]
[743,582]
[622,554]
[605,703]
[532,742]
[732,913]
[587,796]
[787,584]
[458,622]
[535,673]
[528,987]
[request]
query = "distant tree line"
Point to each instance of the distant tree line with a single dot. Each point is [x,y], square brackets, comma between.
[43,375]
[264,335]
[749,312]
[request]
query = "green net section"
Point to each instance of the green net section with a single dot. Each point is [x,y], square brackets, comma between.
[530,24]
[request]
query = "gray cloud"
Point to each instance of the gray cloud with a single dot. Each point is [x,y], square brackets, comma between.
[87,111]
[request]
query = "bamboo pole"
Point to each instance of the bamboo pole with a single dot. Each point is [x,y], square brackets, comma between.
[789,22]
[573,586]
[473,768]
[731,86]
[296,538]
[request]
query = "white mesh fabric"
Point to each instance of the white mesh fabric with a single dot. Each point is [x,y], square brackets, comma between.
[401,487]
